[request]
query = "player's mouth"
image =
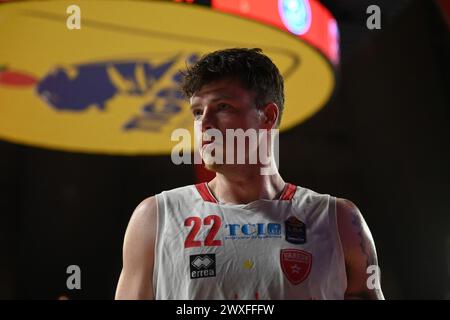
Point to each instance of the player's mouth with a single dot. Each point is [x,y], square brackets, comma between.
[212,145]
[211,148]
[206,142]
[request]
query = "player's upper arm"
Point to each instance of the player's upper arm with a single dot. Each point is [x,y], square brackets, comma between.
[361,262]
[136,278]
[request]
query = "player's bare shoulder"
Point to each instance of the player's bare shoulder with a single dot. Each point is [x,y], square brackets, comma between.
[141,230]
[359,251]
[142,225]
[145,212]
[138,253]
[352,226]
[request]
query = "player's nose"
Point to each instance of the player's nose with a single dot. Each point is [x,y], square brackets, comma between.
[208,119]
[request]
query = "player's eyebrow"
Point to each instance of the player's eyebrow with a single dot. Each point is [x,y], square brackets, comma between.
[222,97]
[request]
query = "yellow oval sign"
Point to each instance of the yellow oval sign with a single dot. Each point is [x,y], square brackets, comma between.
[112,85]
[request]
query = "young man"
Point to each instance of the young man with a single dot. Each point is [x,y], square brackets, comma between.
[245,235]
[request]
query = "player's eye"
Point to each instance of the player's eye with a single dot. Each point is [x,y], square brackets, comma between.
[197,113]
[223,106]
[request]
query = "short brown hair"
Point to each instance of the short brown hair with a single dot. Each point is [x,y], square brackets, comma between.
[253,69]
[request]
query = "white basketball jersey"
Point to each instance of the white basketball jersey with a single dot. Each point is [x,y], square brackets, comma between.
[267,249]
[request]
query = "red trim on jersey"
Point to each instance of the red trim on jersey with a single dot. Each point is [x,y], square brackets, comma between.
[205,193]
[288,192]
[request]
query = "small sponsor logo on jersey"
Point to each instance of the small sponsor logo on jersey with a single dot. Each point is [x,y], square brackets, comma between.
[202,265]
[248,264]
[296,264]
[295,231]
[253,231]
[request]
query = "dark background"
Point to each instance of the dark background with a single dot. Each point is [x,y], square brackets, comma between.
[383,141]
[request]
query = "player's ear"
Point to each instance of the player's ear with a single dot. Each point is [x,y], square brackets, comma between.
[269,115]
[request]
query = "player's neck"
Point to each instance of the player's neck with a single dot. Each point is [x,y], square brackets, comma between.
[246,187]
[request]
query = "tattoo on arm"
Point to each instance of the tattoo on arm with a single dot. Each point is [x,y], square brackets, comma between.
[366,246]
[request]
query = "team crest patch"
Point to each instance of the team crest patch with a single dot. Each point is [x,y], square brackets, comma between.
[202,265]
[296,264]
[295,231]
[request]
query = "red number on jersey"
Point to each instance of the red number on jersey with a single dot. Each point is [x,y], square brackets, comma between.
[209,241]
[190,240]
[217,222]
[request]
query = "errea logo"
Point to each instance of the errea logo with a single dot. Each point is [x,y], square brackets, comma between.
[202,262]
[202,266]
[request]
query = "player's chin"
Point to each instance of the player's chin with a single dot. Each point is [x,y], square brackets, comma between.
[215,167]
[211,162]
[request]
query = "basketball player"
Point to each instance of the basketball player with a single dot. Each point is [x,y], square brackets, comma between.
[245,235]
